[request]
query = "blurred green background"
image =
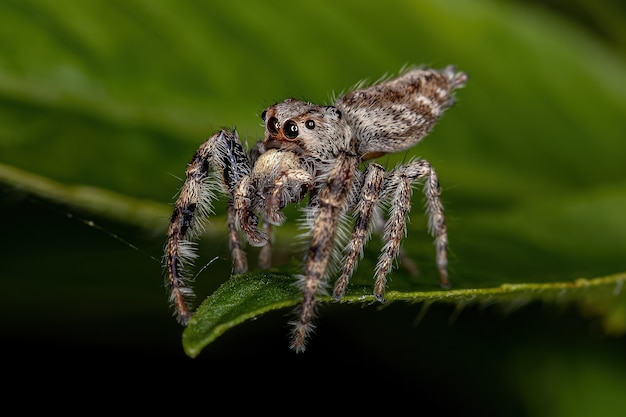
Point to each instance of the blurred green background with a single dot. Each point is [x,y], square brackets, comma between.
[102,104]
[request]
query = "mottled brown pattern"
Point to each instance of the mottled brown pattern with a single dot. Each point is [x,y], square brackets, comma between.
[392,116]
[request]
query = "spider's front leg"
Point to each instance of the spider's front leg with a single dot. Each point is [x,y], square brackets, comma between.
[334,199]
[219,165]
[397,189]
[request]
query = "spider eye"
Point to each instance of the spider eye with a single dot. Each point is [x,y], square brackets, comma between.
[273,125]
[263,114]
[291,129]
[310,124]
[334,112]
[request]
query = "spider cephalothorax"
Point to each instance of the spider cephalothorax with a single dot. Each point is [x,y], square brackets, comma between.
[317,152]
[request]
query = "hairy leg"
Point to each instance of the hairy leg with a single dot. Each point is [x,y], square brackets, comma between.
[395,229]
[378,223]
[397,188]
[265,254]
[373,178]
[240,263]
[333,200]
[217,165]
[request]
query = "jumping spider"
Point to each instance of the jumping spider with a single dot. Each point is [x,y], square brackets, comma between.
[317,151]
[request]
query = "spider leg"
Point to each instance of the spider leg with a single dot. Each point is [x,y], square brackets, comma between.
[398,188]
[218,165]
[374,176]
[240,263]
[265,254]
[408,264]
[334,198]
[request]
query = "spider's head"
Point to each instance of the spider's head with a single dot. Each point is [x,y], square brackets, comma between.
[306,129]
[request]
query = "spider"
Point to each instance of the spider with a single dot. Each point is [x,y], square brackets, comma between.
[325,153]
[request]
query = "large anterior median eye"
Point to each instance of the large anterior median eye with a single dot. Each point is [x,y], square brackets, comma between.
[273,125]
[291,129]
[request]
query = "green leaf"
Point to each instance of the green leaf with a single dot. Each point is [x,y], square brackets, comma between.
[241,298]
[249,295]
